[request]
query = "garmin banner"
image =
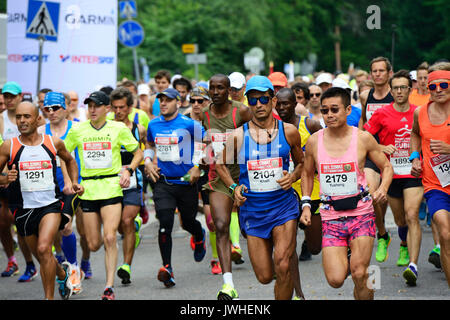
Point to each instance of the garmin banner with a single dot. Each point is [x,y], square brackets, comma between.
[84,56]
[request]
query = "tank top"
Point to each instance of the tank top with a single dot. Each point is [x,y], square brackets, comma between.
[435,167]
[36,185]
[10,129]
[341,177]
[127,157]
[374,104]
[261,165]
[218,131]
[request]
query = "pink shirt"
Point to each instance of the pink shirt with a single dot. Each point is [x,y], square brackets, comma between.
[341,178]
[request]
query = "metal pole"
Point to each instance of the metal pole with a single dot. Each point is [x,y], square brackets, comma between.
[41,46]
[196,71]
[393,46]
[136,65]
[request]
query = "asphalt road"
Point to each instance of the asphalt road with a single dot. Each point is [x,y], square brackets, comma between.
[194,281]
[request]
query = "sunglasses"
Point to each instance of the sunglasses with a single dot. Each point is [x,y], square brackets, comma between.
[262,99]
[52,108]
[334,110]
[315,94]
[443,85]
[199,101]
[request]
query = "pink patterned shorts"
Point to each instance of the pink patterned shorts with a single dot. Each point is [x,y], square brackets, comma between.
[340,232]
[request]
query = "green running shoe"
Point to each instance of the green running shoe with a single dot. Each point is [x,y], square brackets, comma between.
[435,257]
[137,223]
[410,275]
[227,293]
[403,257]
[382,253]
[124,273]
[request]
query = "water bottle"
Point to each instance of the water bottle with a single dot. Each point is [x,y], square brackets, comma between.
[187,176]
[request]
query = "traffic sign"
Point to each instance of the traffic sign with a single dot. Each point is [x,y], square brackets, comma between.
[199,58]
[42,20]
[127,9]
[189,48]
[131,34]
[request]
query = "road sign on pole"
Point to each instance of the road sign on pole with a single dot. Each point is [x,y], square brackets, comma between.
[42,20]
[131,34]
[189,48]
[127,9]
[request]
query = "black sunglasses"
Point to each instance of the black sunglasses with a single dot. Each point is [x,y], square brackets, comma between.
[52,108]
[199,101]
[334,110]
[262,99]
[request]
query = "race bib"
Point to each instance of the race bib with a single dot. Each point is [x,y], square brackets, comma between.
[97,155]
[441,167]
[36,175]
[218,140]
[199,149]
[167,148]
[338,179]
[133,180]
[263,174]
[371,108]
[400,162]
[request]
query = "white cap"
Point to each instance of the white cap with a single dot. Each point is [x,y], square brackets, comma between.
[237,80]
[413,75]
[324,77]
[338,82]
[143,88]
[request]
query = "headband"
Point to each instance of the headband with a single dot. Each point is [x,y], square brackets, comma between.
[438,74]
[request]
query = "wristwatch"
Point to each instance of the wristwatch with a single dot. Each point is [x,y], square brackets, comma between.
[130,171]
[232,187]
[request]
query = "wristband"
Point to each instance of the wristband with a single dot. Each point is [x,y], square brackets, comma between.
[149,153]
[414,155]
[231,188]
[306,201]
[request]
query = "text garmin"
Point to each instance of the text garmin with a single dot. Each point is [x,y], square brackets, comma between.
[73,18]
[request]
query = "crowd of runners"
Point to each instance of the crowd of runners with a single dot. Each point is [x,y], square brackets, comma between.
[260,157]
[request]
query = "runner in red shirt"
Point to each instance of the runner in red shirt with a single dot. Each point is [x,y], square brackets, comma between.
[393,125]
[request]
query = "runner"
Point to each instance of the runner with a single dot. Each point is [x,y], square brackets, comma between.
[35,194]
[220,118]
[173,136]
[421,96]
[393,124]
[121,105]
[380,96]
[99,141]
[268,206]
[183,86]
[347,214]
[162,80]
[431,135]
[237,85]
[75,113]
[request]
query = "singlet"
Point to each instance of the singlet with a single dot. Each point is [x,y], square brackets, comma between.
[99,151]
[218,131]
[59,175]
[261,165]
[137,116]
[394,128]
[82,116]
[155,107]
[418,99]
[36,186]
[304,135]
[435,167]
[127,158]
[10,129]
[321,121]
[341,178]
[174,142]
[374,104]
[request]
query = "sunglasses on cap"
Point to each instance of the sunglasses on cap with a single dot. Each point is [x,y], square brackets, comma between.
[262,99]
[334,110]
[199,101]
[52,108]
[443,85]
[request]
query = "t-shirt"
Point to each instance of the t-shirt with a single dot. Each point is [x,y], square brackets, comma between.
[353,118]
[137,116]
[99,151]
[174,141]
[394,127]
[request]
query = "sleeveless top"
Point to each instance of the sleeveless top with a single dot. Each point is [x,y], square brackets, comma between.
[374,104]
[10,129]
[127,157]
[261,165]
[36,185]
[341,177]
[435,167]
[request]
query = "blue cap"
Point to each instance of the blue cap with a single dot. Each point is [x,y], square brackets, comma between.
[170,93]
[259,83]
[54,99]
[12,87]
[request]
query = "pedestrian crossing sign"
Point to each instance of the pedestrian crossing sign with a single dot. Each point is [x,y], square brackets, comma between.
[42,20]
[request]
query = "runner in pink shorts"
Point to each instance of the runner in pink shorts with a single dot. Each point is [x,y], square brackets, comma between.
[338,152]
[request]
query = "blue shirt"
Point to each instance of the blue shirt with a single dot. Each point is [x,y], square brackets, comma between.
[174,141]
[353,118]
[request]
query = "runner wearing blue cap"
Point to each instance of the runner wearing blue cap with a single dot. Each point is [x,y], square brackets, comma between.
[268,206]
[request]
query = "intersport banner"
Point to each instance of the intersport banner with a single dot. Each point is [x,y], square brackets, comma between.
[83,59]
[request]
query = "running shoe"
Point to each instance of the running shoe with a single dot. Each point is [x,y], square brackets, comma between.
[435,257]
[403,256]
[382,249]
[410,275]
[137,223]
[29,274]
[124,273]
[86,268]
[12,269]
[215,267]
[422,211]
[227,293]
[108,294]
[64,286]
[192,243]
[236,254]
[165,275]
[298,298]
[200,248]
[75,278]
[305,255]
